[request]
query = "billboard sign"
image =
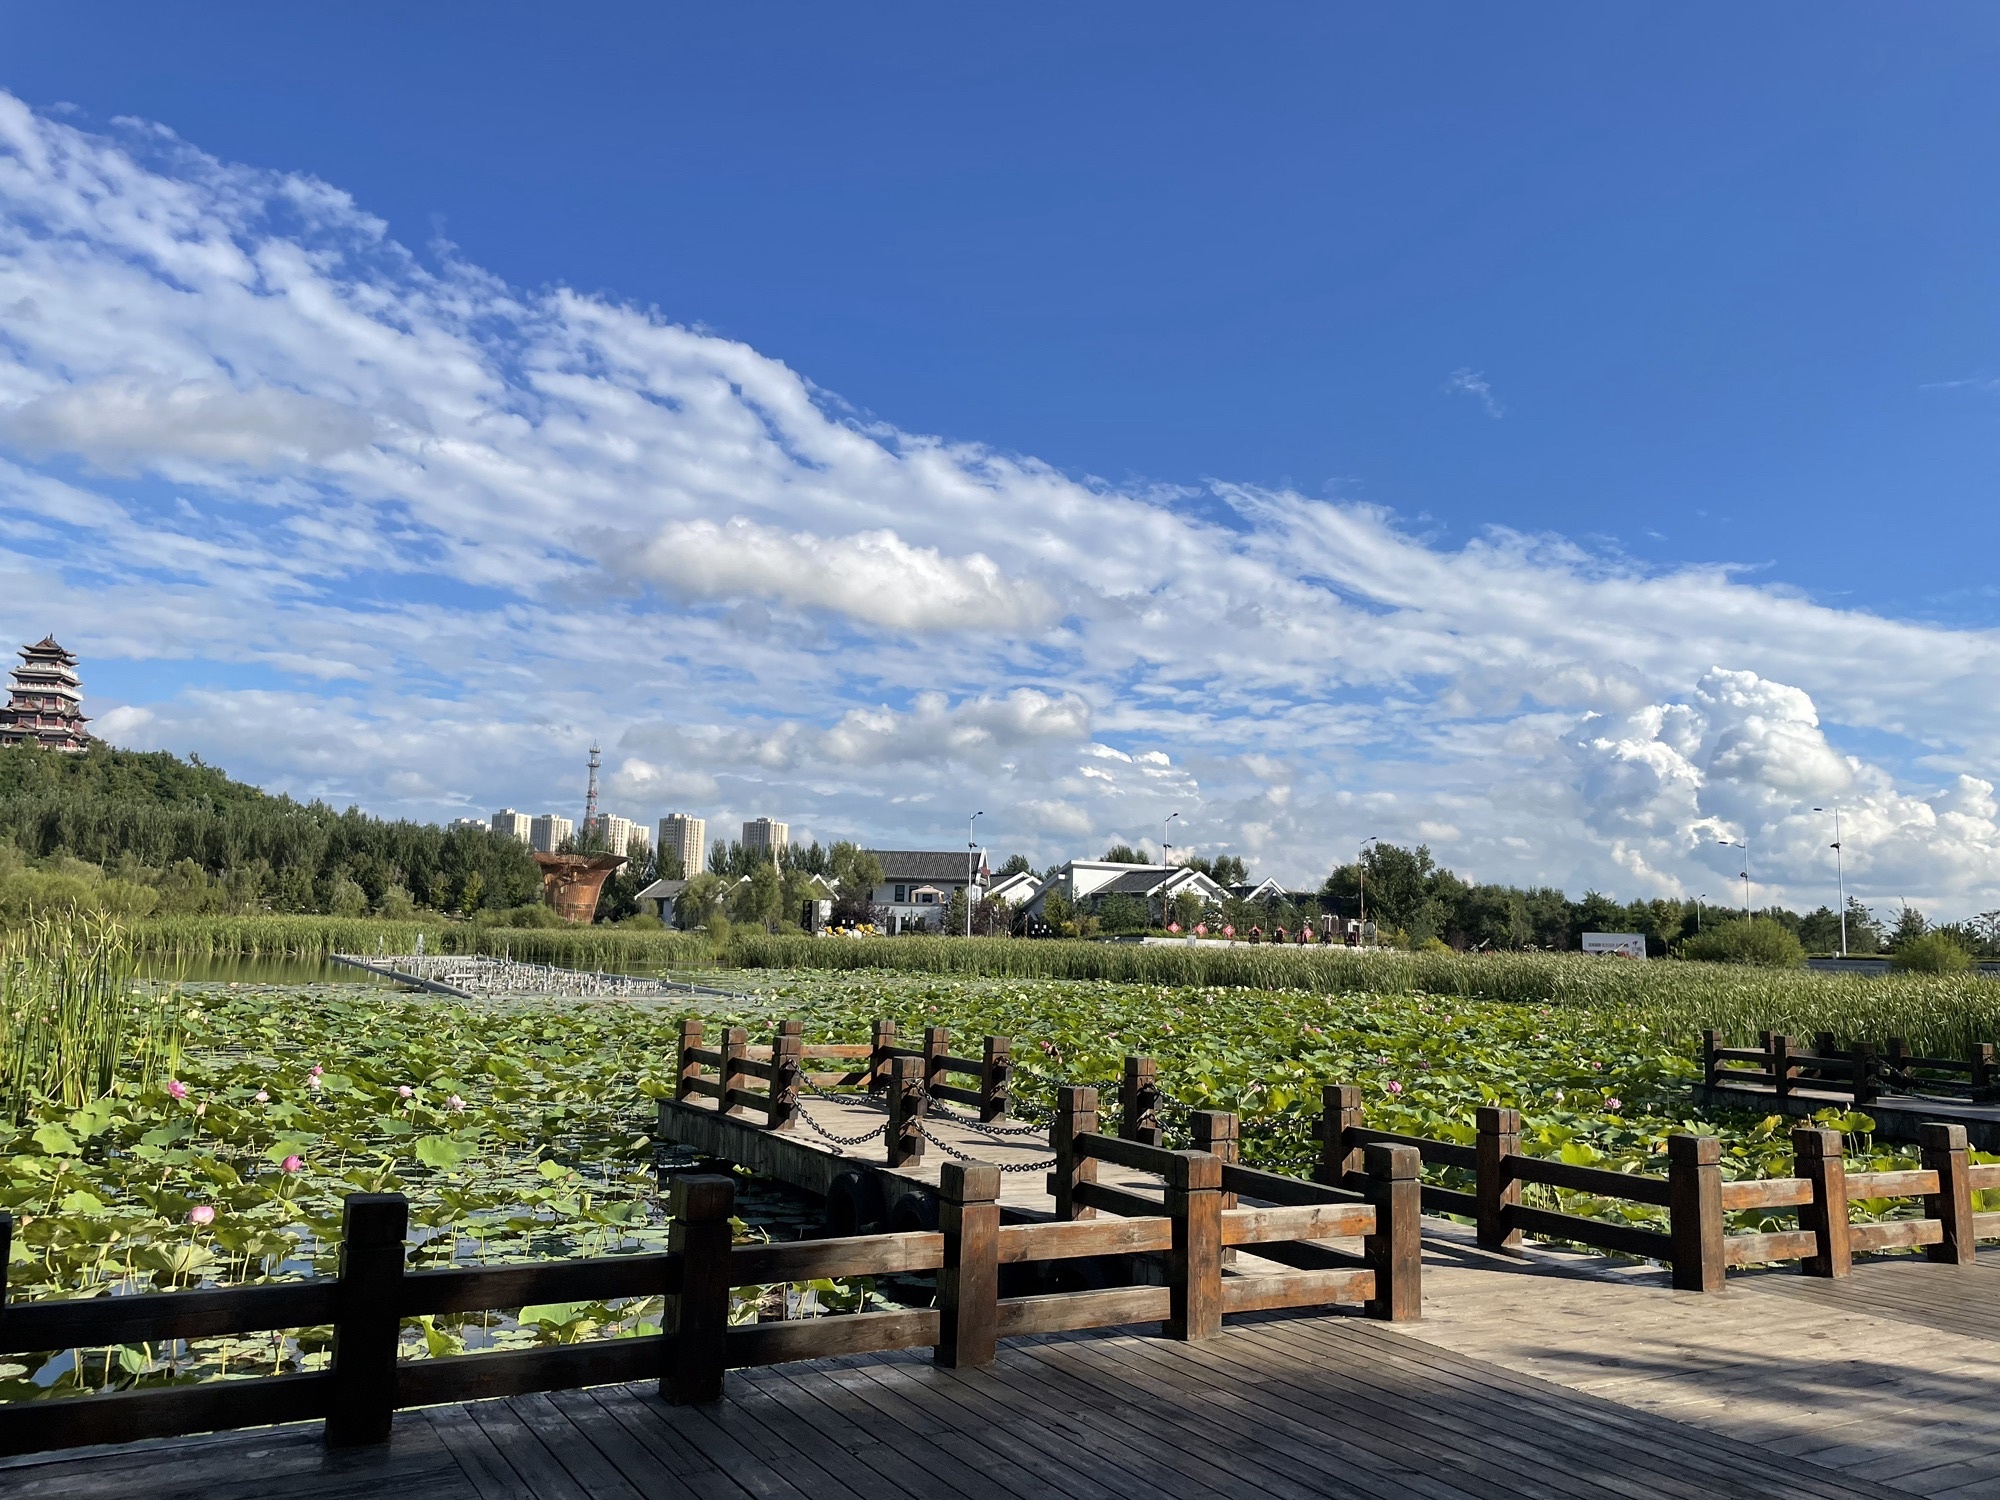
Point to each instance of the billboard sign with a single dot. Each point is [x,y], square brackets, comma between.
[1622,944]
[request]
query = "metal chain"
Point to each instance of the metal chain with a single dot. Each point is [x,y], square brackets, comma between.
[839,1140]
[865,1099]
[985,1127]
[957,1155]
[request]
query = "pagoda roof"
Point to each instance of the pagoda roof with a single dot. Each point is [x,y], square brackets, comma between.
[48,646]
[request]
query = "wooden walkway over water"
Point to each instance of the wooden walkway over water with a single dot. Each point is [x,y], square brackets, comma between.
[1531,1376]
[1532,1373]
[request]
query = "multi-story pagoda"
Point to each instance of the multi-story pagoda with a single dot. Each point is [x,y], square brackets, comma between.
[45,701]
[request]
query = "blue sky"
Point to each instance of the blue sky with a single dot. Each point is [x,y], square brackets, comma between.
[1394,421]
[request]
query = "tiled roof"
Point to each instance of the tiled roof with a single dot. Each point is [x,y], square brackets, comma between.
[900,866]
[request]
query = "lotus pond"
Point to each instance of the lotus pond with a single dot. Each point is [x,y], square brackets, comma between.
[519,1130]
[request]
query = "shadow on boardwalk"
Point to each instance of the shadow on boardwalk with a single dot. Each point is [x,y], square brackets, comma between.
[1288,1409]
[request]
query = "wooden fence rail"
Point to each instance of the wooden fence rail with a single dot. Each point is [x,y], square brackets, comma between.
[368,1302]
[1694,1195]
[1200,1192]
[1862,1072]
[781,1068]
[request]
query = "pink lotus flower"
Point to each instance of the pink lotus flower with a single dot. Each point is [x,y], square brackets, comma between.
[404,1091]
[262,1097]
[178,1089]
[455,1104]
[1395,1087]
[294,1164]
[1614,1105]
[316,1070]
[201,1214]
[313,1083]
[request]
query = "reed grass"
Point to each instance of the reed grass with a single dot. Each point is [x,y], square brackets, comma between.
[1937,1014]
[72,1023]
[312,937]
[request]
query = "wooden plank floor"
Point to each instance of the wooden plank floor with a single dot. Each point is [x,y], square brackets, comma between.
[1272,1410]
[1888,1376]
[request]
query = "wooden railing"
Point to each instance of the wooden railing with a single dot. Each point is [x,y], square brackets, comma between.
[1862,1072]
[765,1080]
[1200,1192]
[1693,1193]
[366,1381]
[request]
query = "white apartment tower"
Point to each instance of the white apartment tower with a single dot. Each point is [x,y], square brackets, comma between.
[515,825]
[620,835]
[686,837]
[766,837]
[548,831]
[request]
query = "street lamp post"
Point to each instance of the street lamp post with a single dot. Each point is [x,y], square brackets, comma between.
[1744,845]
[1840,875]
[1362,865]
[1703,896]
[1165,847]
[971,868]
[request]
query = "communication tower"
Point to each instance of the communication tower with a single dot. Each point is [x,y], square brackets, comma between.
[590,798]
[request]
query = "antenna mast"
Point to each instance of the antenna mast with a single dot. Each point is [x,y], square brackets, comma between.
[590,799]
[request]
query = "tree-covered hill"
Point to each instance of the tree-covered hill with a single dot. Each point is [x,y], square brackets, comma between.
[139,832]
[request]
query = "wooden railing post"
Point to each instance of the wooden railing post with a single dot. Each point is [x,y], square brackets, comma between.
[1827,1045]
[1139,1103]
[1218,1132]
[1194,1277]
[6,1255]
[969,1283]
[996,1077]
[937,1045]
[788,1055]
[1496,1187]
[1985,1077]
[1394,1252]
[735,1043]
[881,1037]
[1340,1112]
[1897,1061]
[1711,1065]
[1867,1073]
[366,1326]
[1076,1114]
[1780,1049]
[689,1069]
[1819,1156]
[1943,1152]
[905,1134]
[1694,1191]
[697,1319]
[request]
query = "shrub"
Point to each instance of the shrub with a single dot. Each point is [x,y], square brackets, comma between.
[1933,953]
[1759,941]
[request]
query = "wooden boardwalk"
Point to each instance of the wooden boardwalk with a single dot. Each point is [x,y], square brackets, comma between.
[1544,1374]
[1329,1407]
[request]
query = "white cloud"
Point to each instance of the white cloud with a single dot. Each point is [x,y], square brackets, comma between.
[872,577]
[1465,381]
[381,531]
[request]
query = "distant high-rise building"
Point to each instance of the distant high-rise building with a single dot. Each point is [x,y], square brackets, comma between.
[479,823]
[766,837]
[515,825]
[686,837]
[620,835]
[546,833]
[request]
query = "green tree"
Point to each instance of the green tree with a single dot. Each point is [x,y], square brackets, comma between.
[1934,952]
[1059,913]
[1754,940]
[1017,864]
[1124,854]
[1911,924]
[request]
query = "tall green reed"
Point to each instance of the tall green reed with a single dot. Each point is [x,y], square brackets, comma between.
[72,1023]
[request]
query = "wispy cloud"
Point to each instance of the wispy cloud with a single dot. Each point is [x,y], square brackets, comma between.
[1469,382]
[390,531]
